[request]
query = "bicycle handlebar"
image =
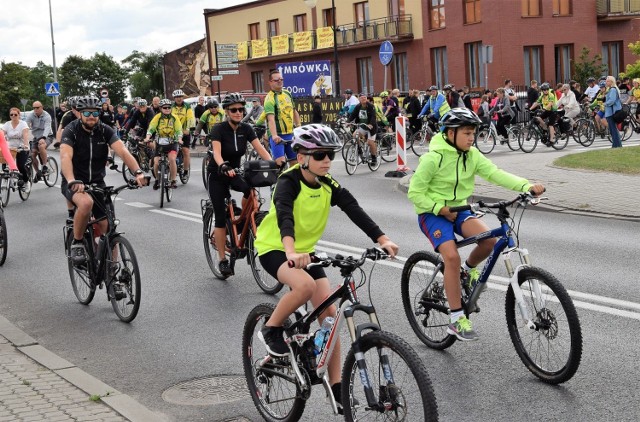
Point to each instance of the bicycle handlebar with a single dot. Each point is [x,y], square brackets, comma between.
[109,190]
[525,198]
[323,260]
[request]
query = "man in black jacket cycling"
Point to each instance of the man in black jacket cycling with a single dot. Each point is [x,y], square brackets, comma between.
[365,114]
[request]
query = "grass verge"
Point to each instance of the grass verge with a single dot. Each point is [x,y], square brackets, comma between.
[624,160]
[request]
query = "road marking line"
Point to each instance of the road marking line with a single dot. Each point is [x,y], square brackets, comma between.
[177,216]
[138,205]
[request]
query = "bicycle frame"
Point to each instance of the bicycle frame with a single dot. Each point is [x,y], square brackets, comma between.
[248,214]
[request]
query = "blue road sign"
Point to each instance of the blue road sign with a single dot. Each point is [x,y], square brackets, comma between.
[52,89]
[386,53]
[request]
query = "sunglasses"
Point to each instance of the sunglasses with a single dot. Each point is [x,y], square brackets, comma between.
[36,108]
[236,110]
[320,155]
[166,108]
[13,115]
[213,106]
[277,80]
[90,113]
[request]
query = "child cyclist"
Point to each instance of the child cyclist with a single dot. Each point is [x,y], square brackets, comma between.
[296,221]
[445,178]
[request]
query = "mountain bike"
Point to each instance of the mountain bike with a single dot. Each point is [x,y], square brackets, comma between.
[419,142]
[487,135]
[110,262]
[386,142]
[241,226]
[534,133]
[382,376]
[166,191]
[9,180]
[547,336]
[359,152]
[143,155]
[50,175]
[3,236]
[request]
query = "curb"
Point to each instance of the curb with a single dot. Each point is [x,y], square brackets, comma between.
[119,402]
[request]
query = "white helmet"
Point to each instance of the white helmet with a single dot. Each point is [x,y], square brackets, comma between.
[178,93]
[165,102]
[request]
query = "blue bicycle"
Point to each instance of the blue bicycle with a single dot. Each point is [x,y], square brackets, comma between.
[547,336]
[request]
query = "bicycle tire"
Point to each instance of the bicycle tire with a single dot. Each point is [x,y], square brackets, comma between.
[161,177]
[81,275]
[4,238]
[485,141]
[127,174]
[528,140]
[352,159]
[627,131]
[376,166]
[586,132]
[184,175]
[210,250]
[409,397]
[547,325]
[127,272]
[265,281]
[168,189]
[5,190]
[420,142]
[25,191]
[346,145]
[268,401]
[560,143]
[416,278]
[205,174]
[51,178]
[387,148]
[513,133]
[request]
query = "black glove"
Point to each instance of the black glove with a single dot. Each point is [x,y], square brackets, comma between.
[224,168]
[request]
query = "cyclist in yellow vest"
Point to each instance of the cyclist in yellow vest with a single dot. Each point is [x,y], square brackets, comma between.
[210,117]
[547,100]
[184,113]
[282,117]
[169,133]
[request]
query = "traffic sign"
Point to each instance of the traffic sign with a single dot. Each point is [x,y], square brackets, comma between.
[227,46]
[386,53]
[216,77]
[104,93]
[229,72]
[227,65]
[52,89]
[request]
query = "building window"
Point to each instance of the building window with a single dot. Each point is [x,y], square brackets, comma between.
[531,8]
[300,23]
[396,7]
[254,31]
[327,17]
[472,11]
[400,71]
[533,64]
[365,75]
[272,28]
[475,70]
[361,12]
[256,81]
[564,61]
[611,57]
[561,7]
[439,66]
[436,14]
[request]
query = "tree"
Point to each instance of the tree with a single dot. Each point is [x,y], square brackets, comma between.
[633,69]
[14,80]
[145,70]
[80,76]
[587,67]
[38,77]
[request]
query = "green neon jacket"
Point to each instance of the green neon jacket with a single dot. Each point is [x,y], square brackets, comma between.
[446,177]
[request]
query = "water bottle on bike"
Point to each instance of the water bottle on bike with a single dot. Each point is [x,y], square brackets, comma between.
[322,334]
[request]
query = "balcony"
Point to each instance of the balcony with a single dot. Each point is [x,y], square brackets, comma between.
[609,10]
[361,34]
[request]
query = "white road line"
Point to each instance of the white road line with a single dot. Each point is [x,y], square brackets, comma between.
[138,205]
[170,214]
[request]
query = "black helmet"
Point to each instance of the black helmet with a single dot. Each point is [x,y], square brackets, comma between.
[87,102]
[348,91]
[212,103]
[233,98]
[591,79]
[433,88]
[545,86]
[448,87]
[315,136]
[458,117]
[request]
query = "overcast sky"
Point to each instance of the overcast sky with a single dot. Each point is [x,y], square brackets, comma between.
[114,27]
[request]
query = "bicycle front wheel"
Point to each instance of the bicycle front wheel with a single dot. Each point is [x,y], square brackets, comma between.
[351,158]
[586,132]
[51,175]
[162,177]
[205,174]
[5,191]
[485,141]
[265,281]
[553,348]
[123,270]
[397,377]
[560,142]
[424,299]
[420,141]
[81,274]
[271,381]
[387,148]
[210,249]
[3,238]
[528,139]
[25,191]
[512,137]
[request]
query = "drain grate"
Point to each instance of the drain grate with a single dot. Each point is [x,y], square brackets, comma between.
[208,391]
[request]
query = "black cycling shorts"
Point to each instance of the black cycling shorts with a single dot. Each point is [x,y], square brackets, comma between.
[99,205]
[219,191]
[272,261]
[166,148]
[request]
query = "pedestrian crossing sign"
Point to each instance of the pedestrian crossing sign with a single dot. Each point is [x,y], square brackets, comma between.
[52,89]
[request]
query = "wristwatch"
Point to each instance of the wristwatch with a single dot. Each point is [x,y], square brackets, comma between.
[138,172]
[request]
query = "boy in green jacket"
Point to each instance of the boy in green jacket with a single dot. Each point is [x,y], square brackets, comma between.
[445,178]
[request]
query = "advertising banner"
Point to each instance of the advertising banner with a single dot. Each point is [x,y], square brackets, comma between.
[324,37]
[259,48]
[307,78]
[243,51]
[302,41]
[280,44]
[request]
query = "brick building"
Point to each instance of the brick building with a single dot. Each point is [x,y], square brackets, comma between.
[434,41]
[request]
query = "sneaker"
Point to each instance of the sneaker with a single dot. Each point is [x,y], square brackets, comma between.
[173,185]
[462,329]
[156,185]
[18,176]
[77,253]
[119,292]
[273,339]
[374,160]
[45,171]
[37,177]
[472,277]
[225,268]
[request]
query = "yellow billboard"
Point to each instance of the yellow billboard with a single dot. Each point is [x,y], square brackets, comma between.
[280,44]
[324,37]
[259,48]
[243,51]
[302,41]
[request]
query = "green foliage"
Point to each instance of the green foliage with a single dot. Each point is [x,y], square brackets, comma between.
[145,69]
[586,67]
[633,69]
[80,76]
[14,80]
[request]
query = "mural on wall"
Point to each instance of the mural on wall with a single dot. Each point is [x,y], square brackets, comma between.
[188,69]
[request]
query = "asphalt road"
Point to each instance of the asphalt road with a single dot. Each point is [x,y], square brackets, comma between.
[189,325]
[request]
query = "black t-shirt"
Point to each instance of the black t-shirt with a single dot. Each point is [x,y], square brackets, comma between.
[233,143]
[198,111]
[67,118]
[90,150]
[107,117]
[316,113]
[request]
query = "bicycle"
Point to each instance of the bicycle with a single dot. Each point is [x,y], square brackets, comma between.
[547,312]
[487,135]
[166,191]
[110,262]
[382,374]
[533,132]
[386,142]
[3,236]
[50,175]
[241,226]
[9,180]
[420,140]
[141,153]
[359,152]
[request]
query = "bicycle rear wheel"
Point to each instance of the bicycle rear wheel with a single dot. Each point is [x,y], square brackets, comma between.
[420,141]
[424,299]
[512,137]
[81,274]
[586,132]
[271,381]
[3,238]
[123,269]
[397,377]
[205,174]
[485,140]
[51,176]
[265,281]
[5,191]
[210,249]
[560,143]
[528,139]
[553,349]
[25,191]
[351,158]
[627,130]
[184,175]
[387,147]
[162,177]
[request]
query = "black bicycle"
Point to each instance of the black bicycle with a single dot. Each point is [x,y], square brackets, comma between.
[382,377]
[3,236]
[143,155]
[110,262]
[9,181]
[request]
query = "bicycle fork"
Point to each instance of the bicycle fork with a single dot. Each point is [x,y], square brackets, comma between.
[513,281]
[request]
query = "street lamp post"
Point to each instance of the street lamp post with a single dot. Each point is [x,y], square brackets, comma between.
[312,4]
[55,69]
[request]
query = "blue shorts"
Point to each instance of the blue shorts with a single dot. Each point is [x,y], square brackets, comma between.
[279,150]
[439,230]
[600,114]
